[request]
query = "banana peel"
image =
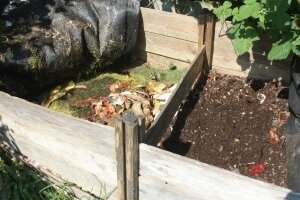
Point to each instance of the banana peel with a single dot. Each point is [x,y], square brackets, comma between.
[59,92]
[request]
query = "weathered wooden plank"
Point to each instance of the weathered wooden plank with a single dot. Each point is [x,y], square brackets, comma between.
[169,24]
[153,189]
[228,53]
[251,70]
[132,156]
[201,30]
[142,128]
[209,39]
[169,173]
[120,158]
[167,46]
[80,151]
[163,62]
[161,122]
[224,48]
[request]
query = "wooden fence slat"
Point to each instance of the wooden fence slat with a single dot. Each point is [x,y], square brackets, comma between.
[201,31]
[166,173]
[163,119]
[163,62]
[65,145]
[209,38]
[167,46]
[120,158]
[142,128]
[132,156]
[169,24]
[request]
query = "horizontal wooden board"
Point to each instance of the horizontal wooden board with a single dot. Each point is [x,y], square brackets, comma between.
[151,189]
[165,174]
[227,53]
[162,62]
[224,47]
[80,151]
[251,70]
[166,46]
[183,88]
[169,24]
[254,64]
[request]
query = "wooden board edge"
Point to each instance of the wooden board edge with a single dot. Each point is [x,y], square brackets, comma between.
[208,182]
[163,119]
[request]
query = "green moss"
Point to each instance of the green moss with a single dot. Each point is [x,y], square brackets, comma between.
[164,75]
[99,86]
[63,106]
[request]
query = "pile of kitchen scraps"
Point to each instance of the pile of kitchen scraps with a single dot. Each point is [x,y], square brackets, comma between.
[107,96]
[142,100]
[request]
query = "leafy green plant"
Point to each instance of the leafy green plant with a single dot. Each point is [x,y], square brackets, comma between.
[277,20]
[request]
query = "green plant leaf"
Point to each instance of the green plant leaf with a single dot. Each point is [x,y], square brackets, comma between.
[281,21]
[280,50]
[296,41]
[296,50]
[278,5]
[227,4]
[246,11]
[234,31]
[224,11]
[242,45]
[249,1]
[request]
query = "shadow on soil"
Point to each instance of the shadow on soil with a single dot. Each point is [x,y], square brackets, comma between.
[173,143]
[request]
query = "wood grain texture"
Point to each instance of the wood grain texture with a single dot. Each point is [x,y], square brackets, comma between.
[163,119]
[201,30]
[120,158]
[168,175]
[132,159]
[169,24]
[159,61]
[80,151]
[167,46]
[209,38]
[251,70]
[142,128]
[254,64]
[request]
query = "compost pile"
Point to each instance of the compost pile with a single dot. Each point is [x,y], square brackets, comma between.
[47,41]
[236,124]
[142,100]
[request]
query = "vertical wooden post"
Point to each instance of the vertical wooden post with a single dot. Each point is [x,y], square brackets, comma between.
[201,31]
[120,156]
[128,130]
[209,39]
[132,155]
[142,128]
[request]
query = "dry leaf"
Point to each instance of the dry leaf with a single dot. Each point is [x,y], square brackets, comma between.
[56,90]
[273,135]
[137,108]
[156,87]
[117,87]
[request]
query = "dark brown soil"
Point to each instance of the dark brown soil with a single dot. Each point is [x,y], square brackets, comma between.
[224,124]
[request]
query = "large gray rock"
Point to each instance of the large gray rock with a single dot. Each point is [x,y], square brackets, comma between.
[53,39]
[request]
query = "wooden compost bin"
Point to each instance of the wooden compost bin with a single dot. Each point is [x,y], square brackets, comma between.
[84,153]
[253,64]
